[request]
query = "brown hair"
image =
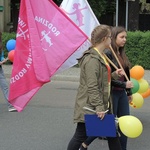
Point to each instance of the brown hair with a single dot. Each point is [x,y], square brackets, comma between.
[99,33]
[114,32]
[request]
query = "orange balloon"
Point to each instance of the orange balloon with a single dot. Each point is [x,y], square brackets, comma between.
[137,72]
[146,94]
[11,55]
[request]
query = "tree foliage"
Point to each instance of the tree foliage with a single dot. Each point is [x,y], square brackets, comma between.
[102,7]
[99,7]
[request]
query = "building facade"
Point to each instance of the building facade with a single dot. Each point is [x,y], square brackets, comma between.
[5,15]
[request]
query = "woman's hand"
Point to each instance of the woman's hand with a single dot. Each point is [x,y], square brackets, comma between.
[101,114]
[129,84]
[120,72]
[2,62]
[130,98]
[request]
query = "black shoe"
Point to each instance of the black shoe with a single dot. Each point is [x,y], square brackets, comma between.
[82,148]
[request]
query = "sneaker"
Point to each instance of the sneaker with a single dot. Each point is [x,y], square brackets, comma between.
[12,109]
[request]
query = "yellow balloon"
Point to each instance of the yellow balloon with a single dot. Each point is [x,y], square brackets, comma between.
[130,126]
[143,86]
[137,101]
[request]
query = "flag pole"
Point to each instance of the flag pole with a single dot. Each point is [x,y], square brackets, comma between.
[119,63]
[111,62]
[108,59]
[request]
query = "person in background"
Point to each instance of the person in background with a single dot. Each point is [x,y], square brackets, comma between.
[3,82]
[94,87]
[121,89]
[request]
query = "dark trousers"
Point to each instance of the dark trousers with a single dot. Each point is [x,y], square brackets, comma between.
[80,137]
[121,108]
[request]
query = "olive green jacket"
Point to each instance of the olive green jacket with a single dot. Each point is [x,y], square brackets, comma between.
[93,88]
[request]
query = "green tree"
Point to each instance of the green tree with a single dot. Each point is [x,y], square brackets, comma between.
[99,8]
[102,7]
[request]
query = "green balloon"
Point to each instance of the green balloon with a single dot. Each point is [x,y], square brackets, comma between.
[136,85]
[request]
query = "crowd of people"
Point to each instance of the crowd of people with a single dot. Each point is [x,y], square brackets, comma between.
[102,86]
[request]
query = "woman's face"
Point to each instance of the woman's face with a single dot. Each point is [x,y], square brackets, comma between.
[121,39]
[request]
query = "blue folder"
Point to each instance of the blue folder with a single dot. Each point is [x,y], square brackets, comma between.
[100,128]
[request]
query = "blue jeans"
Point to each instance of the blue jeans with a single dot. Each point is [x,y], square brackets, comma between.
[4,86]
[121,108]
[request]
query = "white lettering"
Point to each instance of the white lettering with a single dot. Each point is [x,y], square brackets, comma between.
[18,76]
[47,24]
[21,23]
[57,33]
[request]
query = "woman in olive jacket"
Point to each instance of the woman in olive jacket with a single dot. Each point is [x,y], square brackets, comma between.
[94,87]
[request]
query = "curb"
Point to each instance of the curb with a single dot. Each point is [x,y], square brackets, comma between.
[71,74]
[65,78]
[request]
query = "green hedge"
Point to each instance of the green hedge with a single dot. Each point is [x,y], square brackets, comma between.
[5,38]
[137,47]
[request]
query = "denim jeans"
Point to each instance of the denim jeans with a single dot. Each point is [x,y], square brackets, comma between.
[4,86]
[121,108]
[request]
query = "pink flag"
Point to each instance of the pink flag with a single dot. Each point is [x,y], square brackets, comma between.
[45,39]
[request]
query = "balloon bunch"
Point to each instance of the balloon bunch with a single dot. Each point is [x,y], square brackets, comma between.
[141,88]
[10,45]
[130,125]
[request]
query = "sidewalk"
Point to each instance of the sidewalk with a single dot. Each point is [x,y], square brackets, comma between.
[71,74]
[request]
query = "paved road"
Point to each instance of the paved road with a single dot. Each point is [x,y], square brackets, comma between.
[46,122]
